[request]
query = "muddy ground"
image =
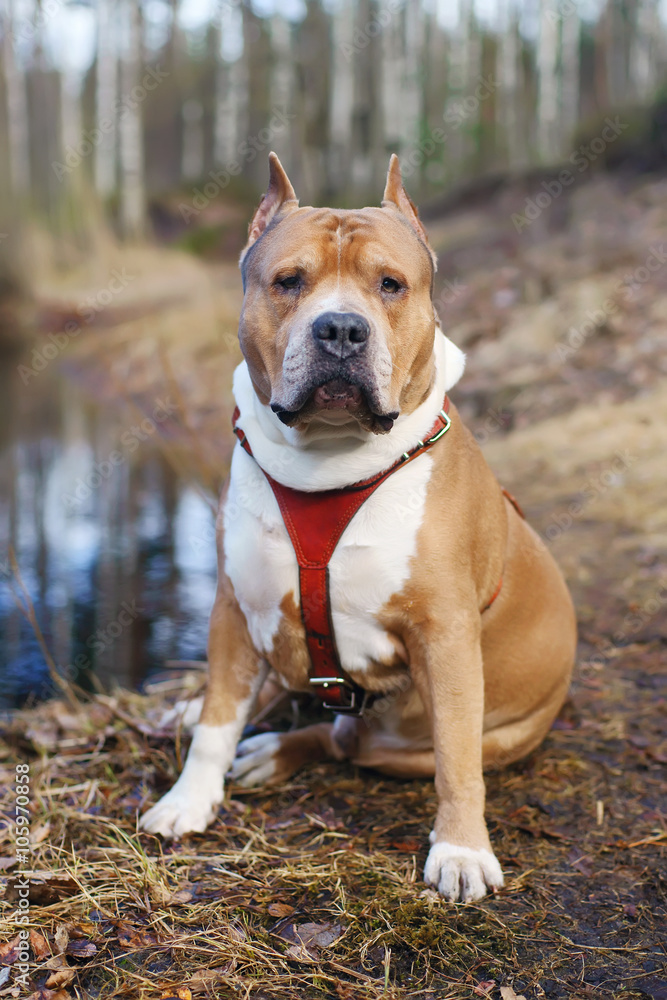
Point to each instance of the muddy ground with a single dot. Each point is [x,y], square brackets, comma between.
[314,890]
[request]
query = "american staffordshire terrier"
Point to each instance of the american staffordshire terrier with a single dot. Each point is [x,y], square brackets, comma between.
[366,551]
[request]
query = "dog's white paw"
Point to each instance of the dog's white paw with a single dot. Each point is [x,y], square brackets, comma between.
[255,761]
[187,808]
[461,873]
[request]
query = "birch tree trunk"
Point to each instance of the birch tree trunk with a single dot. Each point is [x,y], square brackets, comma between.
[18,134]
[106,88]
[464,71]
[643,50]
[282,82]
[341,95]
[547,84]
[410,105]
[232,86]
[570,62]
[192,158]
[132,201]
[512,139]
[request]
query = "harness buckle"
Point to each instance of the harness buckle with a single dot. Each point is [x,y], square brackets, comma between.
[358,698]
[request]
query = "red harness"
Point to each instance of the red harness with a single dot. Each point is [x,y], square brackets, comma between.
[315,522]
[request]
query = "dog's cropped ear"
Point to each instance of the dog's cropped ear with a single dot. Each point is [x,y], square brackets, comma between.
[396,196]
[279,197]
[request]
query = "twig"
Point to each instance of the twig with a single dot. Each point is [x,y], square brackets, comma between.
[28,609]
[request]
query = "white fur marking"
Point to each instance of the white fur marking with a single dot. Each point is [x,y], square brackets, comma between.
[255,760]
[461,873]
[193,801]
[370,563]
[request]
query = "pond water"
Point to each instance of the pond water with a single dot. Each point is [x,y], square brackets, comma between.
[116,553]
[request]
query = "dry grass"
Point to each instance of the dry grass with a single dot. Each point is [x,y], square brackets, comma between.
[314,889]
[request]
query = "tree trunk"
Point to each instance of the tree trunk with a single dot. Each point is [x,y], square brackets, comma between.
[232,86]
[341,95]
[547,84]
[570,59]
[18,134]
[132,202]
[106,88]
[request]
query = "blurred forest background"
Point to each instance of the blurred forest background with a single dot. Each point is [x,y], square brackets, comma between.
[134,137]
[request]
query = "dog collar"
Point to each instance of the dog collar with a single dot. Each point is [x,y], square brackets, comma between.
[315,522]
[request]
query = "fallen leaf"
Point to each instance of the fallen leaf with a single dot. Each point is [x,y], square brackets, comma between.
[280,909]
[81,949]
[44,890]
[409,845]
[309,938]
[62,977]
[40,833]
[7,863]
[4,975]
[484,988]
[61,938]
[134,937]
[507,993]
[39,945]
[9,951]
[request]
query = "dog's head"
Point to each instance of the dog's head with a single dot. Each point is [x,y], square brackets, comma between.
[338,323]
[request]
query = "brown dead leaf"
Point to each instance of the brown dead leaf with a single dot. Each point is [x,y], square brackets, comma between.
[39,945]
[62,977]
[61,938]
[81,948]
[134,937]
[9,951]
[410,845]
[507,993]
[40,833]
[280,909]
[44,890]
[309,938]
[163,895]
[7,863]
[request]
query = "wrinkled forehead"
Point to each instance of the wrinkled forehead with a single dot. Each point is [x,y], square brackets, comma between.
[337,240]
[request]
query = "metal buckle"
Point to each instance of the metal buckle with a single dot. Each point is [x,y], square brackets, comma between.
[438,434]
[354,707]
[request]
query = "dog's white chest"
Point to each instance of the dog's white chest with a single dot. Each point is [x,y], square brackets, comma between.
[370,563]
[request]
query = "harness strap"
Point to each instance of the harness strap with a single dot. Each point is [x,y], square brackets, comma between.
[315,522]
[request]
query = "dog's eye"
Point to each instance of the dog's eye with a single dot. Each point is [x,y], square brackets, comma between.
[390,285]
[289,281]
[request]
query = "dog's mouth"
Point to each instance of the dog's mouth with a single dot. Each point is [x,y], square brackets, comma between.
[336,401]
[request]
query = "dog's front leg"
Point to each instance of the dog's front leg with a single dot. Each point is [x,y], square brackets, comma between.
[447,668]
[236,673]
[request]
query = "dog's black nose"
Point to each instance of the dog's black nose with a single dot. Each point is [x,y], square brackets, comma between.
[342,334]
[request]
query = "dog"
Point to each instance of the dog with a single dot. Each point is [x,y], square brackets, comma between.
[366,551]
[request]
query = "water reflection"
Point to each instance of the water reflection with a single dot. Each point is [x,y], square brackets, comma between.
[117,554]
